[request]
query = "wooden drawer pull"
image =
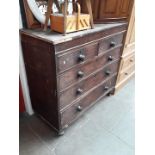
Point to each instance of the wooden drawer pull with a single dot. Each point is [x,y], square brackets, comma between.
[131,60]
[126,73]
[79,91]
[106,88]
[108,72]
[81,57]
[112,44]
[80,74]
[79,108]
[110,58]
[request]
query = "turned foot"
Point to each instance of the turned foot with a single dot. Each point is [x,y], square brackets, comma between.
[61,133]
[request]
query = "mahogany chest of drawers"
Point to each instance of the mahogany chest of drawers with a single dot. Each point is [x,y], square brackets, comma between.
[68,74]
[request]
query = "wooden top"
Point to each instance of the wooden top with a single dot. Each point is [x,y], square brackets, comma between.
[56,38]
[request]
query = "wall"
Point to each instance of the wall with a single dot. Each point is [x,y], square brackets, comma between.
[23,78]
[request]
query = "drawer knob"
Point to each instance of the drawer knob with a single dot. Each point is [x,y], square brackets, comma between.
[126,73]
[80,74]
[112,44]
[106,88]
[79,108]
[110,58]
[79,91]
[108,72]
[81,57]
[131,60]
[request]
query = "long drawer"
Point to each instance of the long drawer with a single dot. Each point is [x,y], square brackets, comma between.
[76,91]
[79,73]
[78,108]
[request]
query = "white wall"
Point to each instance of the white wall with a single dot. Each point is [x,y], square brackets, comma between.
[23,78]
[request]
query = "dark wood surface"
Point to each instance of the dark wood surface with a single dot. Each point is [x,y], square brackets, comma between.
[99,31]
[71,94]
[39,61]
[53,85]
[70,77]
[74,57]
[72,113]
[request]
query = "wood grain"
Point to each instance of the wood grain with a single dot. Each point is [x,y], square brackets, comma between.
[46,75]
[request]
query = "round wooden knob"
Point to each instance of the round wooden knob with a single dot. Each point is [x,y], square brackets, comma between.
[79,108]
[108,72]
[112,44]
[110,58]
[79,91]
[81,57]
[106,88]
[80,74]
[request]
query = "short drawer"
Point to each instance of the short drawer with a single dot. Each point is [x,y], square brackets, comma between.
[110,42]
[78,108]
[76,56]
[78,90]
[127,62]
[77,74]
[123,75]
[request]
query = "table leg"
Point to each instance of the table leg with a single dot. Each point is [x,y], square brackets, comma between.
[57,5]
[65,16]
[88,4]
[49,10]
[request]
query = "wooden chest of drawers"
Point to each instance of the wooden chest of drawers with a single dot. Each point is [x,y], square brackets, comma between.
[68,74]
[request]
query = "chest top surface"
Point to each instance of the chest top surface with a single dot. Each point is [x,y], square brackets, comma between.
[56,38]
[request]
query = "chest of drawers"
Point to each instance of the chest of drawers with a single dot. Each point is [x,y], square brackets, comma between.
[68,74]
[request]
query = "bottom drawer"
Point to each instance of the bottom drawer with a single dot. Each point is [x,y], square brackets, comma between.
[123,75]
[79,107]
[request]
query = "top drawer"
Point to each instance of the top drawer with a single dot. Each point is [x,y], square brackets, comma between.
[76,56]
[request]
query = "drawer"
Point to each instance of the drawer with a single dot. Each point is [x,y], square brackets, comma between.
[79,107]
[76,91]
[76,56]
[129,48]
[77,74]
[123,75]
[110,42]
[127,62]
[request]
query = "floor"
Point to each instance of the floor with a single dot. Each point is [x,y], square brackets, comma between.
[107,129]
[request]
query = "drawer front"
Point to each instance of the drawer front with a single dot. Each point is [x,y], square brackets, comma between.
[123,75]
[77,74]
[78,108]
[126,62]
[129,49]
[73,93]
[110,42]
[76,56]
